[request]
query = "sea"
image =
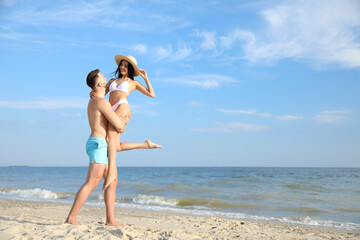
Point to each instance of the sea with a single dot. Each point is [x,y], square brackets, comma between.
[315,197]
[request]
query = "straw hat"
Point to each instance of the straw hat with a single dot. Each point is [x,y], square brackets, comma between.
[131,60]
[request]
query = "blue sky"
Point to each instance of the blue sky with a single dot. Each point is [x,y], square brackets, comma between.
[237,83]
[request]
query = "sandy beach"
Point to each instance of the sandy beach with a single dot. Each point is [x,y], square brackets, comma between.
[44,220]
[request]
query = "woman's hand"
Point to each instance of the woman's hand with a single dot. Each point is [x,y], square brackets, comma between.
[92,94]
[143,73]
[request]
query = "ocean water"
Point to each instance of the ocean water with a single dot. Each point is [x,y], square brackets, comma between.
[322,197]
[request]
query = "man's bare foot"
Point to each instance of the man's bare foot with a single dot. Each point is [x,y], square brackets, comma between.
[108,180]
[72,222]
[115,223]
[152,145]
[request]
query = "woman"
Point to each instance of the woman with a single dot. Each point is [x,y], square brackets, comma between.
[119,89]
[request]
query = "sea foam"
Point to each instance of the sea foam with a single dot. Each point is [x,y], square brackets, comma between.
[30,193]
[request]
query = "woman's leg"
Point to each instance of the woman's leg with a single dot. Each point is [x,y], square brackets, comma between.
[124,146]
[109,198]
[113,140]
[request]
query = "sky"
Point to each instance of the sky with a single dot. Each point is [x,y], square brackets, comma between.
[237,83]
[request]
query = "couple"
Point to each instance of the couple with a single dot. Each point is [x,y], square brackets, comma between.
[107,121]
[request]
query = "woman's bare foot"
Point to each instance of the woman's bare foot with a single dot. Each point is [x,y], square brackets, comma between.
[115,223]
[152,145]
[74,222]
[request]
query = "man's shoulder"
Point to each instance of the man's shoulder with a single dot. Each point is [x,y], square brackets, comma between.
[98,101]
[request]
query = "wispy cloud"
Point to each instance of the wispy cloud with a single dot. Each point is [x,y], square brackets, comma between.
[161,52]
[127,15]
[46,104]
[167,53]
[209,39]
[331,116]
[290,117]
[201,80]
[65,14]
[232,128]
[335,112]
[254,112]
[229,40]
[324,31]
[140,48]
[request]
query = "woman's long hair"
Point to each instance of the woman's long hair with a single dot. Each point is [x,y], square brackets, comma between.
[117,73]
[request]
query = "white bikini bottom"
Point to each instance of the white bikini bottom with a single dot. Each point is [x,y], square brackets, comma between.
[115,106]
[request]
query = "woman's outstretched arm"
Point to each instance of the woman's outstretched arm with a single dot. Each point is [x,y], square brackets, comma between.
[147,91]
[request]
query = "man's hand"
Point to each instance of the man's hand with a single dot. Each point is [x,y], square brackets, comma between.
[92,94]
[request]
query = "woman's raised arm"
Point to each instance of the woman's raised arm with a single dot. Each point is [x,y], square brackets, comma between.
[147,91]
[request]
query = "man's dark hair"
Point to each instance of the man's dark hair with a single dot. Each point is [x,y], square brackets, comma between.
[91,78]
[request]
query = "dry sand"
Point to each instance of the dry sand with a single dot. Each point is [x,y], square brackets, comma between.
[44,220]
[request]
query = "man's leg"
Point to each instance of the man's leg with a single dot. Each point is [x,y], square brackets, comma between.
[95,173]
[109,198]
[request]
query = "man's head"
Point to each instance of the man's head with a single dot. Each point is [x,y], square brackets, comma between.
[95,79]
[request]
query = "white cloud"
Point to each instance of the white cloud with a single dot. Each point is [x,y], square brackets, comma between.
[65,14]
[201,80]
[289,117]
[209,42]
[163,52]
[320,32]
[331,116]
[254,112]
[232,127]
[181,53]
[264,114]
[228,41]
[167,53]
[325,31]
[127,15]
[45,104]
[335,112]
[140,48]
[323,118]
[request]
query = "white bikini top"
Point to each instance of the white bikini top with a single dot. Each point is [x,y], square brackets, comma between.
[124,86]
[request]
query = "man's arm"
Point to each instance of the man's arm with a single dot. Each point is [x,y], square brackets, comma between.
[105,108]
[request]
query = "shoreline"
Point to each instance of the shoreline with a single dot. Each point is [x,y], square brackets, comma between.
[40,219]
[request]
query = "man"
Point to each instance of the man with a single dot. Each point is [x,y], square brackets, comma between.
[99,114]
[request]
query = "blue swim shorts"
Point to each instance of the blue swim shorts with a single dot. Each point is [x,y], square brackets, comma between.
[97,150]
